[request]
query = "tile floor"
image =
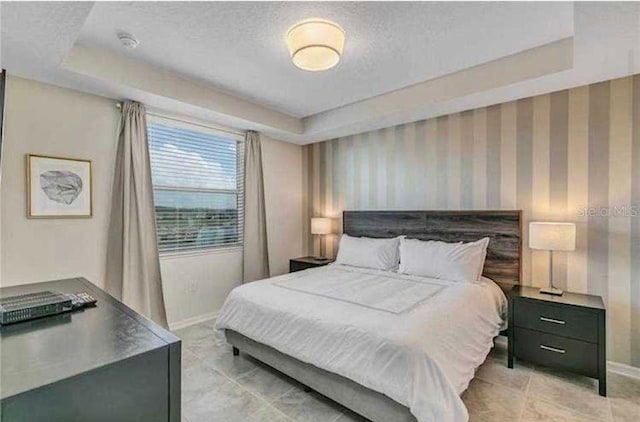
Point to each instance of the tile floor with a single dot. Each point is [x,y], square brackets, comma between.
[220,387]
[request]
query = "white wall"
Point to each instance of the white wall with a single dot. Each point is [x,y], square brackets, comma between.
[44,119]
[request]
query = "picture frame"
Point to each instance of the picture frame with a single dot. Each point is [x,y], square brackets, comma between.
[59,187]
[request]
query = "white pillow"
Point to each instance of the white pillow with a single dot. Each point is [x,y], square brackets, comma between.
[450,261]
[379,254]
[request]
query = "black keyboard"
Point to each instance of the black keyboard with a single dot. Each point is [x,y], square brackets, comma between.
[33,305]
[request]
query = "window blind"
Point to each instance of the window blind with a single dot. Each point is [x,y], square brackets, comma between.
[198,178]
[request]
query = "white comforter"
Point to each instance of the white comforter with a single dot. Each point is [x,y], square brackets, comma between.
[421,353]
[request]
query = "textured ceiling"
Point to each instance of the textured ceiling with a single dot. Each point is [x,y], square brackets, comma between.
[227,62]
[240,48]
[37,35]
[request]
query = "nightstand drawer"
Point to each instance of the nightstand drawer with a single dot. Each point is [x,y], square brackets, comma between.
[557,352]
[560,320]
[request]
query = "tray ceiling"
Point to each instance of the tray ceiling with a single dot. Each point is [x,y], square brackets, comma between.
[227,61]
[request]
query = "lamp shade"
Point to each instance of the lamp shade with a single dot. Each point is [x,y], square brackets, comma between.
[320,225]
[552,236]
[315,44]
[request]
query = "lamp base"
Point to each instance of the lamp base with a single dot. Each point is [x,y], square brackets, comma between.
[552,291]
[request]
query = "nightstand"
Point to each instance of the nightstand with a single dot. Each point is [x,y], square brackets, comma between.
[565,332]
[302,263]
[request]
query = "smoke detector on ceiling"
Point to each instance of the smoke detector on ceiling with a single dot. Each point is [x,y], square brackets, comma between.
[128,40]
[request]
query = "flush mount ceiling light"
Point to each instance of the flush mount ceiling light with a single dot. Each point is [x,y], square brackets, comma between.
[315,44]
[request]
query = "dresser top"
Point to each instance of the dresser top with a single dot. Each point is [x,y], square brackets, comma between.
[567,298]
[43,351]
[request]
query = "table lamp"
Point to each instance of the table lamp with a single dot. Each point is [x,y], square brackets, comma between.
[552,237]
[320,226]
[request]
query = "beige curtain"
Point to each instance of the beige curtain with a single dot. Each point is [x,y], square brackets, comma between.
[133,264]
[256,253]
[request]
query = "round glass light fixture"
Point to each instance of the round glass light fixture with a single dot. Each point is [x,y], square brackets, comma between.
[315,44]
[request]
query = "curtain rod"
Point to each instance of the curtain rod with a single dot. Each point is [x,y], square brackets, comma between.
[184,120]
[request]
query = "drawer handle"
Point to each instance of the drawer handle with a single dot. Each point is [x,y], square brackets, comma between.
[555,321]
[551,349]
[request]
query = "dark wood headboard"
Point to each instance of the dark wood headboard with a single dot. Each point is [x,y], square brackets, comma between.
[504,228]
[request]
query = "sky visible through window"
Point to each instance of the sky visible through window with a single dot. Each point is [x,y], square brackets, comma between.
[195,184]
[188,159]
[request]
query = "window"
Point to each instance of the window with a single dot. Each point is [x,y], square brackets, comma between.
[197,174]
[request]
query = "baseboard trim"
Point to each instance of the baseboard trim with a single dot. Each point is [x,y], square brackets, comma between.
[623,369]
[193,320]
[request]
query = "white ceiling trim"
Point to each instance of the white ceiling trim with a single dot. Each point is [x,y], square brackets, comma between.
[163,89]
[533,63]
[105,65]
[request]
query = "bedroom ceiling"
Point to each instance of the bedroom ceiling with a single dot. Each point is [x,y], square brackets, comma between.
[240,47]
[228,62]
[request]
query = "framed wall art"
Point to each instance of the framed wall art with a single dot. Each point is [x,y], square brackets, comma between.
[58,187]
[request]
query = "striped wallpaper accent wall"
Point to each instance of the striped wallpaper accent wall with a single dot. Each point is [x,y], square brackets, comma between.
[571,155]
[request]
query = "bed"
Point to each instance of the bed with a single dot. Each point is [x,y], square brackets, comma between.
[402,351]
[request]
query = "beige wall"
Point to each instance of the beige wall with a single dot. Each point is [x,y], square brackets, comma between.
[282,167]
[552,156]
[196,285]
[44,119]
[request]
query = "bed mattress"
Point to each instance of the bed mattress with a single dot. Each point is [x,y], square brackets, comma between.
[417,340]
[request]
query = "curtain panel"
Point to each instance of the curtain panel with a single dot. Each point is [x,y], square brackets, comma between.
[133,263]
[256,252]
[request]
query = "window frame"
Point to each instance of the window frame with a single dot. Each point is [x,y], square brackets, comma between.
[239,137]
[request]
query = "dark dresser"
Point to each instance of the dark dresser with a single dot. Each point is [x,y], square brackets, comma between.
[302,263]
[565,332]
[106,363]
